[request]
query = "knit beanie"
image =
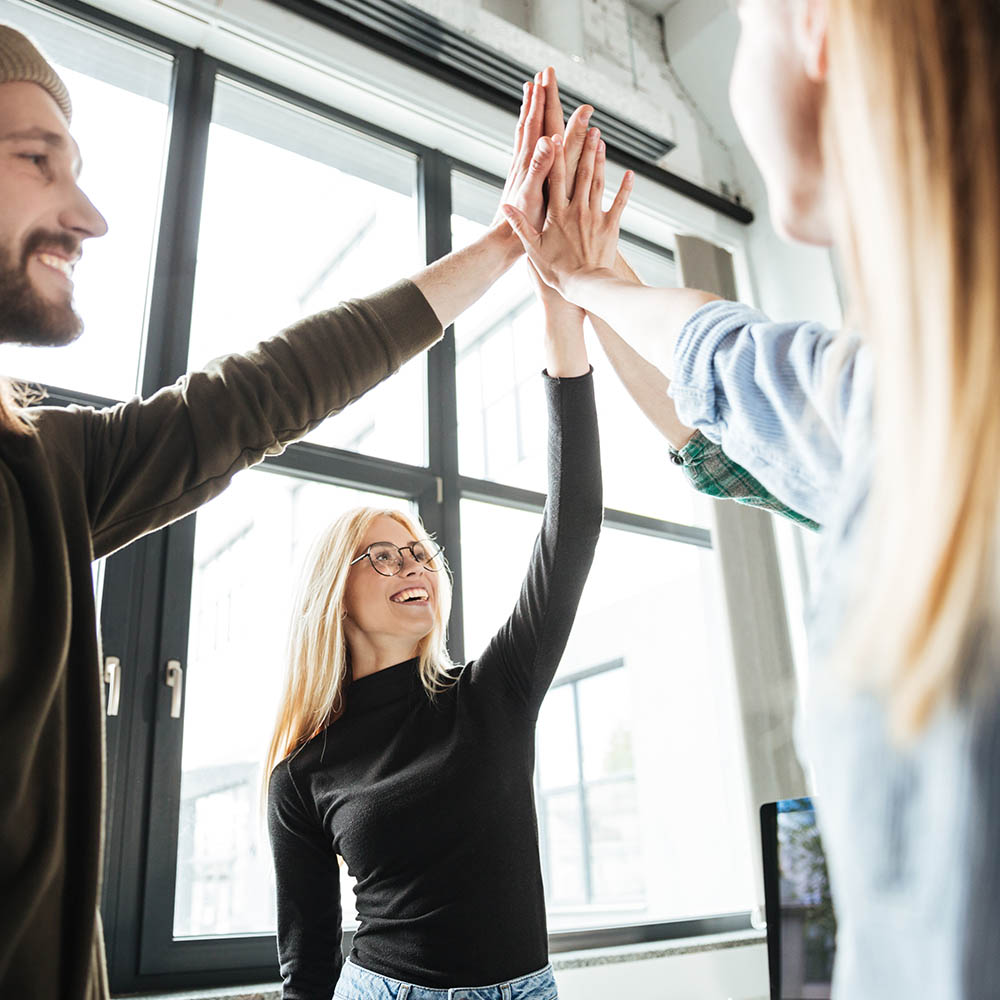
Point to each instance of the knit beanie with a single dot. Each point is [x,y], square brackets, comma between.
[20,61]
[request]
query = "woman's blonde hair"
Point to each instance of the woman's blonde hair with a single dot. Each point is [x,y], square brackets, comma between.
[912,133]
[318,669]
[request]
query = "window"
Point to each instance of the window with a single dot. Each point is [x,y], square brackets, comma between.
[587,798]
[639,724]
[499,356]
[250,545]
[299,213]
[119,89]
[238,207]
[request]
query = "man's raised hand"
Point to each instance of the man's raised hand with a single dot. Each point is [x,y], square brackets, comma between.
[578,237]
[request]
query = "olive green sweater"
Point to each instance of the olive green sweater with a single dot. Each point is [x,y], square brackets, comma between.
[85,483]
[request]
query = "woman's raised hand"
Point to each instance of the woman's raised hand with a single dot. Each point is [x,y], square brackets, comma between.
[578,239]
[532,159]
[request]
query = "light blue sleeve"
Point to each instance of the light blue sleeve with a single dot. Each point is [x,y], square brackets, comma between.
[775,396]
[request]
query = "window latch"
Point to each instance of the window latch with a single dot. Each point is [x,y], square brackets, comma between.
[175,680]
[113,678]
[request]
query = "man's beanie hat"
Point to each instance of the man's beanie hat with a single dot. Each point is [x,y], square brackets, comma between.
[20,62]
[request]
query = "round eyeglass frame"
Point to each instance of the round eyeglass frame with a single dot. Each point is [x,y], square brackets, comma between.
[431,547]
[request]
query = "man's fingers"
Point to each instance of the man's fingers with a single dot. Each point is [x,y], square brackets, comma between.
[585,170]
[597,183]
[553,109]
[621,199]
[576,134]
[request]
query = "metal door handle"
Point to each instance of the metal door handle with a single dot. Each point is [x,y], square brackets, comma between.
[175,680]
[113,678]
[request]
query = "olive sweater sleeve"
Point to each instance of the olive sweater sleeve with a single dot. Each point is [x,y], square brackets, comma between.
[148,462]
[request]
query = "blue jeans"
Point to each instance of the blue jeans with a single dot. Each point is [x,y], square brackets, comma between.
[356,983]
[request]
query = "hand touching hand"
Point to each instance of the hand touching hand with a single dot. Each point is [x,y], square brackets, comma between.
[579,238]
[531,160]
[574,133]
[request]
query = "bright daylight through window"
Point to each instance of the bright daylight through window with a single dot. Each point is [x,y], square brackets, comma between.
[121,99]
[290,207]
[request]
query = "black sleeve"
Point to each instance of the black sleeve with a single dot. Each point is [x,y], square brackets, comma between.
[525,653]
[307,884]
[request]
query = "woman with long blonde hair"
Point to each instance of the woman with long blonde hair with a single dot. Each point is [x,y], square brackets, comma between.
[876,125]
[417,772]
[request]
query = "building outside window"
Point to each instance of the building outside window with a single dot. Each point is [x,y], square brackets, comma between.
[588,805]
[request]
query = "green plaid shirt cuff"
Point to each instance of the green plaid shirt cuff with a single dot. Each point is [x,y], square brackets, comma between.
[710,470]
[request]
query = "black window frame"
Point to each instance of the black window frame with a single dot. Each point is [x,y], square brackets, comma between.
[146,587]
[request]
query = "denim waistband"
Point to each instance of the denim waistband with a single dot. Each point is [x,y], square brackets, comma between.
[357,983]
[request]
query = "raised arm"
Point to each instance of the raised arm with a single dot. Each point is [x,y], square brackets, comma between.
[307,884]
[455,282]
[606,288]
[645,383]
[525,652]
[148,462]
[778,397]
[703,463]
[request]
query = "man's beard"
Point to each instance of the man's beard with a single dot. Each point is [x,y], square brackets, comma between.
[26,316]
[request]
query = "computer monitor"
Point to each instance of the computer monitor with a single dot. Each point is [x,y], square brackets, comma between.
[801,928]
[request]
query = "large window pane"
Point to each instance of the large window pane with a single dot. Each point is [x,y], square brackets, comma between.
[614,826]
[299,214]
[499,356]
[606,721]
[664,826]
[585,727]
[562,844]
[249,548]
[558,765]
[121,94]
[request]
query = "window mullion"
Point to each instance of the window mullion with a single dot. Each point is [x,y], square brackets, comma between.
[588,886]
[440,511]
[172,297]
[134,620]
[131,596]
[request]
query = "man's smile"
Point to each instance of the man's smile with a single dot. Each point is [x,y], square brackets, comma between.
[57,263]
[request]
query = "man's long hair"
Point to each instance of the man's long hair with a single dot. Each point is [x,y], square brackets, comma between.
[912,131]
[14,400]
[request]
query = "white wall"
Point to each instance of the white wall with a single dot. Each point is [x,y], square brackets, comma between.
[789,281]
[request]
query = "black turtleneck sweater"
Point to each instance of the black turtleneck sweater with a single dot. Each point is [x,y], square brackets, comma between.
[430,802]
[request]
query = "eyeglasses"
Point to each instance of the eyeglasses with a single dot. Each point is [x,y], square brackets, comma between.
[387,559]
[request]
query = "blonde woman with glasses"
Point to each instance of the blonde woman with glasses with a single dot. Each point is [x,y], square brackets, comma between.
[876,125]
[417,772]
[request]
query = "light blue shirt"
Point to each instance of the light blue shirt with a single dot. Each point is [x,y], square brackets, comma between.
[912,834]
[767,392]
